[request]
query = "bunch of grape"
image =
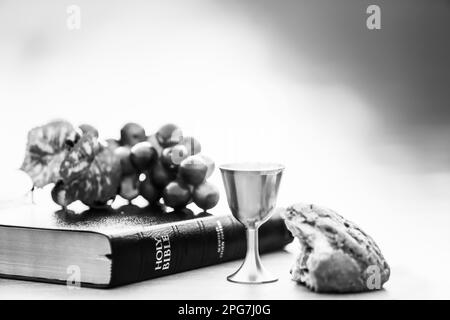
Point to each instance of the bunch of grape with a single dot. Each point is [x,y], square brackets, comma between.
[164,165]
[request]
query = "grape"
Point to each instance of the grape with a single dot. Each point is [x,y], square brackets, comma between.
[59,195]
[166,158]
[169,135]
[209,163]
[87,128]
[142,155]
[193,170]
[155,144]
[123,153]
[129,187]
[206,196]
[160,176]
[131,134]
[149,191]
[192,145]
[176,195]
[173,156]
[99,205]
[178,154]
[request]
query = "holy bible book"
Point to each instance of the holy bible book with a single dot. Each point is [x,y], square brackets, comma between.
[108,248]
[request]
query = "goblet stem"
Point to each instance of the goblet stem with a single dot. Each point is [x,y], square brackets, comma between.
[252,256]
[252,270]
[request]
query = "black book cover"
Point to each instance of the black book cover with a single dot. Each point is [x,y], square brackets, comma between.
[150,242]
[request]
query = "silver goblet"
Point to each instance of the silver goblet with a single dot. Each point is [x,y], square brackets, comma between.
[252,190]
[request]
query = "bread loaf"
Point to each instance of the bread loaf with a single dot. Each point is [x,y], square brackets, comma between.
[336,255]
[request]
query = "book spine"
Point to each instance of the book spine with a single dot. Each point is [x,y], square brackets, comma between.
[196,243]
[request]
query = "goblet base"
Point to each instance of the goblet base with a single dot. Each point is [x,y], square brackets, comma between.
[252,276]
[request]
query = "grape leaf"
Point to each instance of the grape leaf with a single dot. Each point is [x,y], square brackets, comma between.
[91,172]
[46,149]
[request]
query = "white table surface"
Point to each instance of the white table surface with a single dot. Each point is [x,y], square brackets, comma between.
[418,255]
[413,232]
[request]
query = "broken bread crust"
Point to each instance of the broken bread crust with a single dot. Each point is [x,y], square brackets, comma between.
[336,255]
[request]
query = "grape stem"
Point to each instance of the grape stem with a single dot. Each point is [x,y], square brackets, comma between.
[32,195]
